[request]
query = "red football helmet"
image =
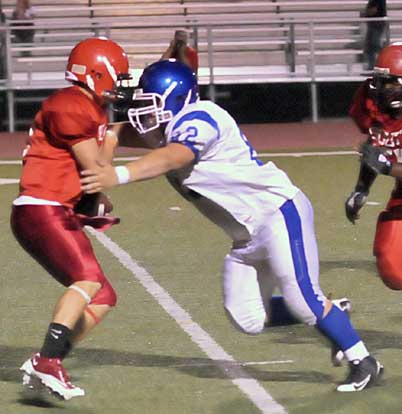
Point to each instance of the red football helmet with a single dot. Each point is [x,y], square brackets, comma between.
[96,62]
[389,60]
[387,80]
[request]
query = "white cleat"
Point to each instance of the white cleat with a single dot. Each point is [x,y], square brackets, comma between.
[343,304]
[51,373]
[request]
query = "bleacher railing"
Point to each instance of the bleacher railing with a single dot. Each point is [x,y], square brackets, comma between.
[283,50]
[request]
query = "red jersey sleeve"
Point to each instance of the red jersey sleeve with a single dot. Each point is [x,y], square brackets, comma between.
[50,171]
[69,128]
[69,118]
[358,110]
[192,57]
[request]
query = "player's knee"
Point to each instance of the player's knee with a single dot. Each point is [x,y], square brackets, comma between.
[307,318]
[105,296]
[303,314]
[251,324]
[88,287]
[390,271]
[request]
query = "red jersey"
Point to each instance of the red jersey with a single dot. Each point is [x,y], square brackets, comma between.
[50,170]
[192,56]
[382,129]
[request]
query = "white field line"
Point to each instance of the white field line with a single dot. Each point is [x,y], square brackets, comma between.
[229,366]
[9,181]
[10,162]
[277,154]
[262,154]
[250,363]
[242,364]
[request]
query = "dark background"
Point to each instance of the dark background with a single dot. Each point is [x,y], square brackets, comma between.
[249,104]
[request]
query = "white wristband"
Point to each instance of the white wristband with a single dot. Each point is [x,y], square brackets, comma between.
[123,174]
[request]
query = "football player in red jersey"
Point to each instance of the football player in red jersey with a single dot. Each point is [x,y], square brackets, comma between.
[181,51]
[377,111]
[69,134]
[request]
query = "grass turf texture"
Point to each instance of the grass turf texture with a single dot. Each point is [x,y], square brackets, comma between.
[140,361]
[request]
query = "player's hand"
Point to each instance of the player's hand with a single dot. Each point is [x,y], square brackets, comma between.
[93,205]
[179,44]
[375,158]
[353,204]
[98,178]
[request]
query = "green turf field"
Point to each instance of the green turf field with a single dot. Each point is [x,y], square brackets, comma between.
[141,361]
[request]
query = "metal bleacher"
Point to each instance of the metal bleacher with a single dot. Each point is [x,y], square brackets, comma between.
[238,42]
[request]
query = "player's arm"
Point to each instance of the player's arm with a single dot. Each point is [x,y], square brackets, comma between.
[106,150]
[168,53]
[87,153]
[358,197]
[376,159]
[158,162]
[76,127]
[127,136]
[182,55]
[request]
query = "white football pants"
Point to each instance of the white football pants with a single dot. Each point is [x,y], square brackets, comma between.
[282,253]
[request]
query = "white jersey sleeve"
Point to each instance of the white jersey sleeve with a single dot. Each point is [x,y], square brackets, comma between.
[197,130]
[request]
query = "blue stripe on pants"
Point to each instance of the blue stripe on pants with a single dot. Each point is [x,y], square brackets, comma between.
[294,228]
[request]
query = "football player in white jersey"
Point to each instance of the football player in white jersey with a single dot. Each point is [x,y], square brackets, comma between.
[209,161]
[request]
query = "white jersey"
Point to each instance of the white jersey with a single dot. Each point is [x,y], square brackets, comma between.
[227,182]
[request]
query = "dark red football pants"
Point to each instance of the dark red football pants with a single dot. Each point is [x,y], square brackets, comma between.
[388,245]
[55,238]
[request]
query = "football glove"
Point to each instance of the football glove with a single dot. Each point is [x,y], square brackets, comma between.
[376,159]
[353,204]
[94,205]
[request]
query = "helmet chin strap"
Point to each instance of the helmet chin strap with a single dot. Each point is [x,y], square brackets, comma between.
[90,82]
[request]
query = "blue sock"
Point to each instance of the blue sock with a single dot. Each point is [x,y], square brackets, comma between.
[337,327]
[279,314]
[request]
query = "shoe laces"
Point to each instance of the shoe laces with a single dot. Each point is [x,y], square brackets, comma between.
[63,373]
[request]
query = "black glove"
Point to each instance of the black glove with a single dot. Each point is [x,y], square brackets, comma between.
[354,203]
[375,159]
[94,205]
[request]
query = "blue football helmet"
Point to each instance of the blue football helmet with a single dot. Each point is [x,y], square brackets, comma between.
[164,89]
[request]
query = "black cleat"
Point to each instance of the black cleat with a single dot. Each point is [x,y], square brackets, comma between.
[363,374]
